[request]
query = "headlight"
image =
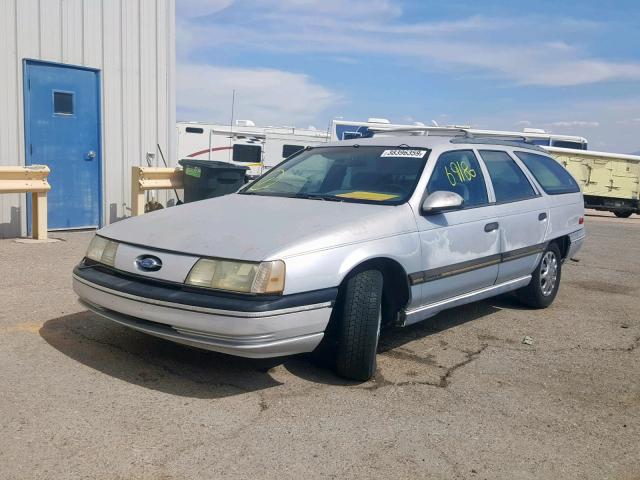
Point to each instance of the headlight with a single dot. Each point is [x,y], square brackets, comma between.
[245,277]
[102,250]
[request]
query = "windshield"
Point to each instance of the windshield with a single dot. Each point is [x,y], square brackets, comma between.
[381,175]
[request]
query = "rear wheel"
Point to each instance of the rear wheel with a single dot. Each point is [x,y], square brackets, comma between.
[358,326]
[622,213]
[545,281]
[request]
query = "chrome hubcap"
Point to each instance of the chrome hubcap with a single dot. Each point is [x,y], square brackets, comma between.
[548,273]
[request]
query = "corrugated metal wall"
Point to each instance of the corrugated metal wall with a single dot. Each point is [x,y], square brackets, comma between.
[132,42]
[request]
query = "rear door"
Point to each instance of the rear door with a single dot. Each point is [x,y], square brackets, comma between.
[522,212]
[461,248]
[62,127]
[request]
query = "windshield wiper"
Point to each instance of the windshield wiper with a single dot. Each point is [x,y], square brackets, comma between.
[305,196]
[329,198]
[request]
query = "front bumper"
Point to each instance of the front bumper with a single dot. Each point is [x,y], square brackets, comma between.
[253,327]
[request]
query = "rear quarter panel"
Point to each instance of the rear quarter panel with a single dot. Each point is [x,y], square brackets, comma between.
[565,212]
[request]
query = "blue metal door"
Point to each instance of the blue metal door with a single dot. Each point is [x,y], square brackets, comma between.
[62,128]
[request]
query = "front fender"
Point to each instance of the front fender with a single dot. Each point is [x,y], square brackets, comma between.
[328,268]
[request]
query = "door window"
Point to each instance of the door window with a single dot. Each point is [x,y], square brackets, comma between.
[459,171]
[62,103]
[509,181]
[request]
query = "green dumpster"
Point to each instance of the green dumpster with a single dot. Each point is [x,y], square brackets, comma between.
[204,179]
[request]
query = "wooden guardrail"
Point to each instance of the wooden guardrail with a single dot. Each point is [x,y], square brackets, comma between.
[144,179]
[31,179]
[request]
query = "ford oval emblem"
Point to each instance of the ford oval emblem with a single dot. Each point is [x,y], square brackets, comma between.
[149,263]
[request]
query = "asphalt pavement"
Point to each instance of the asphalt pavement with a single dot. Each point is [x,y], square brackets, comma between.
[458,396]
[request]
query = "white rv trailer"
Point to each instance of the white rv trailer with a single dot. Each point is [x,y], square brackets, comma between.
[347,130]
[258,148]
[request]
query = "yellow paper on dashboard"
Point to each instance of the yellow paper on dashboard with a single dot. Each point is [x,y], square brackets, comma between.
[380,197]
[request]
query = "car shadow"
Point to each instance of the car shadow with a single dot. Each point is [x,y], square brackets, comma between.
[154,363]
[397,337]
[168,367]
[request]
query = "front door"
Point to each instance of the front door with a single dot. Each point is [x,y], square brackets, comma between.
[62,129]
[460,248]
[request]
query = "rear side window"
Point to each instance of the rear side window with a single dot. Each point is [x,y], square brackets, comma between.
[509,182]
[459,172]
[247,153]
[288,150]
[551,176]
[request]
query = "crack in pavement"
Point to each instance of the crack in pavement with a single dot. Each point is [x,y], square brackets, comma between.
[471,356]
[404,354]
[380,381]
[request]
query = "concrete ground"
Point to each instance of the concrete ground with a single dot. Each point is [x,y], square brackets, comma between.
[457,397]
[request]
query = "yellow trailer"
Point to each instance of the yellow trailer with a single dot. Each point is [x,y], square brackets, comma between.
[609,181]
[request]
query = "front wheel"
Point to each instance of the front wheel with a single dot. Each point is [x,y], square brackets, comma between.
[359,325]
[545,281]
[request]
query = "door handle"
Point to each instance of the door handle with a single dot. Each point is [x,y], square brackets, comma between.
[91,155]
[490,227]
[542,216]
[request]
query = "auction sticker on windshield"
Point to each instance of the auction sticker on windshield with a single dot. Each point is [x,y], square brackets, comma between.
[404,153]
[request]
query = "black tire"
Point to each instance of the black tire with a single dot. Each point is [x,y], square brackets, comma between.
[622,213]
[358,326]
[535,294]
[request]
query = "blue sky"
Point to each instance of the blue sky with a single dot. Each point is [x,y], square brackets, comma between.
[568,67]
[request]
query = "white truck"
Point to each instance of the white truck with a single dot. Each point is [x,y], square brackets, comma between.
[244,143]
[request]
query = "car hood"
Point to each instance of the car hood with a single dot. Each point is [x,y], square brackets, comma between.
[256,228]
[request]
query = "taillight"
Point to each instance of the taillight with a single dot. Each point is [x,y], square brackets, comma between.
[580,220]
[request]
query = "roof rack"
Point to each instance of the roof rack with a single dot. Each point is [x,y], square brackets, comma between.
[505,141]
[463,135]
[426,131]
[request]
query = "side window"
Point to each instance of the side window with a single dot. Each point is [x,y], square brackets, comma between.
[509,181]
[247,153]
[288,150]
[551,176]
[545,142]
[567,144]
[459,172]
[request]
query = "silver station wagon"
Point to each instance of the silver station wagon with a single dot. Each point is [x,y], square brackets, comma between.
[338,241]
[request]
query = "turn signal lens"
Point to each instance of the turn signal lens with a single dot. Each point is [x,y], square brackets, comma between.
[270,278]
[243,277]
[102,250]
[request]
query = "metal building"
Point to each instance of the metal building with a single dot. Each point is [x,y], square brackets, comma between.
[88,88]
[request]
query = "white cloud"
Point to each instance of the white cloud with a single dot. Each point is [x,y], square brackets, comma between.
[523,123]
[509,48]
[575,123]
[267,96]
[604,130]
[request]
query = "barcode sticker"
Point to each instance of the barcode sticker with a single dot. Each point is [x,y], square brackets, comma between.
[404,153]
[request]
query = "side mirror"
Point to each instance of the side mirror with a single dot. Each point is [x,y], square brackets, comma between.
[441,201]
